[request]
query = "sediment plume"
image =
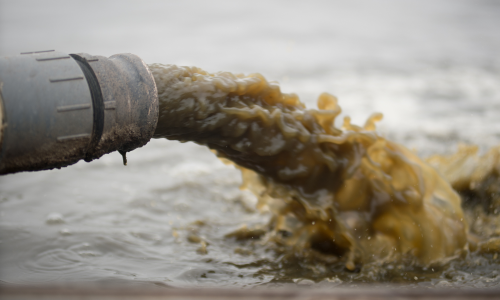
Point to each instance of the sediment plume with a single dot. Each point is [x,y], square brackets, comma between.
[346,194]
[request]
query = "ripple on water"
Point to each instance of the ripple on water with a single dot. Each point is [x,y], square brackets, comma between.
[62,261]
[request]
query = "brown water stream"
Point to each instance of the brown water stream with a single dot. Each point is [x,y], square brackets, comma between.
[342,200]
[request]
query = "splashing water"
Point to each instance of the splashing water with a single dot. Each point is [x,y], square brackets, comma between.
[338,195]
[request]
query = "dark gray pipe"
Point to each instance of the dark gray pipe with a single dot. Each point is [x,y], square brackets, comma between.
[58,108]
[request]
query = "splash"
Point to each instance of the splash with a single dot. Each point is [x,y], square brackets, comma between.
[477,179]
[346,194]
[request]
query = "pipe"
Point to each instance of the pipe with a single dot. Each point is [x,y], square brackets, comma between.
[58,108]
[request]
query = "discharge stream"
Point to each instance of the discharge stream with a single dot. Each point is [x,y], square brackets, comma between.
[340,195]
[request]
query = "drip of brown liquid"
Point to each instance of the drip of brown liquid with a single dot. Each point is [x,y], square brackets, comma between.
[346,194]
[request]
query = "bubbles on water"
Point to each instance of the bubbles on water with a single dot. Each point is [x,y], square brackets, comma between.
[54,219]
[65,232]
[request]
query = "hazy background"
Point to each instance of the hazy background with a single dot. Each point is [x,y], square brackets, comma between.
[432,68]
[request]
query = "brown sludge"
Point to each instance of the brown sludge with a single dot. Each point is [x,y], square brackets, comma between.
[345,194]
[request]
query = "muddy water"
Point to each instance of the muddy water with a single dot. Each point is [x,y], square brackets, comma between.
[338,197]
[346,193]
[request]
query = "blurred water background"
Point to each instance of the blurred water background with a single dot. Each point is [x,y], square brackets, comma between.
[432,68]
